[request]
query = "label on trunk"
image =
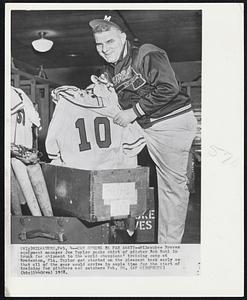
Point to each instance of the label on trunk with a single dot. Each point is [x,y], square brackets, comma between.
[119,195]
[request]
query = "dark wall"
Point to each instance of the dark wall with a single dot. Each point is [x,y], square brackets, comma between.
[185,71]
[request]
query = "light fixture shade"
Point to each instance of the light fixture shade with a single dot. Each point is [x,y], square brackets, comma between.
[42,45]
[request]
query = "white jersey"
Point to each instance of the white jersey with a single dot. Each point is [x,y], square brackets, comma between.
[23,115]
[81,138]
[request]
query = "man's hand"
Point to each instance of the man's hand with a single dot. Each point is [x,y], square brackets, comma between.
[124,117]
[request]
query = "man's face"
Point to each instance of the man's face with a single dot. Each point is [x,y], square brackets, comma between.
[109,44]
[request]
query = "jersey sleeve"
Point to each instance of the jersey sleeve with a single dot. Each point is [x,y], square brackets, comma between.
[133,140]
[32,114]
[54,128]
[16,101]
[158,72]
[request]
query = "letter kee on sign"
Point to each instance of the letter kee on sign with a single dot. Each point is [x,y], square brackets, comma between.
[145,222]
[119,196]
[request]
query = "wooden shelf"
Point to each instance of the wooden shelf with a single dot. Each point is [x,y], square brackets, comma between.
[34,77]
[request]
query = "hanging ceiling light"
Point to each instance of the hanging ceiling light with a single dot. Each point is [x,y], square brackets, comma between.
[42,44]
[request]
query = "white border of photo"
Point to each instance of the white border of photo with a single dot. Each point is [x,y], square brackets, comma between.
[222,226]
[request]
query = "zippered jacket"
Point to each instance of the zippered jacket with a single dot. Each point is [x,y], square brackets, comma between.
[145,81]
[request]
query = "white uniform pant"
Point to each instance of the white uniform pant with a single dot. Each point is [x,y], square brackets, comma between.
[169,143]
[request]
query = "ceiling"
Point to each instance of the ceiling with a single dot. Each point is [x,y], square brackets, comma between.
[178,32]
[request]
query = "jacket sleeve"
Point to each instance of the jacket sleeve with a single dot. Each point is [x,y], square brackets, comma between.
[157,71]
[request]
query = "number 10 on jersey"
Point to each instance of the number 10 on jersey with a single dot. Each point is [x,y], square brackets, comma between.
[101,142]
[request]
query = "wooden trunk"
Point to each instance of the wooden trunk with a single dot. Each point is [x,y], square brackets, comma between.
[96,196]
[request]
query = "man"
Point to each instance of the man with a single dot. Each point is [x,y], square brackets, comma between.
[148,92]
